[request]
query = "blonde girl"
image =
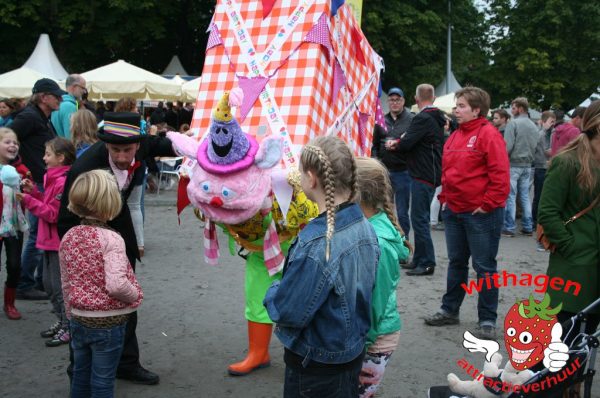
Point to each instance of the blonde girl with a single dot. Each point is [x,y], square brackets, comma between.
[322,304]
[12,221]
[84,126]
[376,202]
[99,286]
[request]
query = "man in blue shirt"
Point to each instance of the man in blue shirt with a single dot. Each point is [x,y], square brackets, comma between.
[61,119]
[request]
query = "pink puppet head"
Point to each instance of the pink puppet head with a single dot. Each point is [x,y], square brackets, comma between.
[230,191]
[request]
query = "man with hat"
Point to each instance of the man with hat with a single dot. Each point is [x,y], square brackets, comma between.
[33,128]
[121,149]
[396,123]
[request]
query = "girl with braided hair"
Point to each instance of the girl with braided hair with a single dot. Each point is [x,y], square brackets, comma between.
[322,305]
[377,204]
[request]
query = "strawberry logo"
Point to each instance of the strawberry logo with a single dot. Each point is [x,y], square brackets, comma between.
[527,331]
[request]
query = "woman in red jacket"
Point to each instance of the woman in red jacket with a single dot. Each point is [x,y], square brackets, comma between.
[475,186]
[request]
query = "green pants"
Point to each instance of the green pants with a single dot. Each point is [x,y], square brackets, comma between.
[256,285]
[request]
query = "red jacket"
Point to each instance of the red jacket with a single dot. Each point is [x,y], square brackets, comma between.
[475,168]
[561,136]
[45,206]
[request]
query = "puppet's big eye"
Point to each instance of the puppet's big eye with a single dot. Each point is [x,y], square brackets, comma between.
[205,186]
[525,337]
[228,193]
[511,332]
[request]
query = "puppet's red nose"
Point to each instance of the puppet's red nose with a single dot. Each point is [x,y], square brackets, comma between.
[216,201]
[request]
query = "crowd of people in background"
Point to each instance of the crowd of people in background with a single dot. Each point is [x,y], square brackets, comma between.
[468,173]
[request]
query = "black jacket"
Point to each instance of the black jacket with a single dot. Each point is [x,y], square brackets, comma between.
[96,157]
[33,130]
[393,160]
[423,144]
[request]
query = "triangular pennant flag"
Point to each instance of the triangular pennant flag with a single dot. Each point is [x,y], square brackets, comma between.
[363,118]
[356,39]
[267,6]
[214,39]
[320,34]
[182,197]
[335,4]
[339,79]
[379,117]
[252,88]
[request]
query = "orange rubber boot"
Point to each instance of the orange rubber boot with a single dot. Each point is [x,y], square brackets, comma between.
[9,303]
[259,337]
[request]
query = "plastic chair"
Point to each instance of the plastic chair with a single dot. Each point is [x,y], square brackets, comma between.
[171,162]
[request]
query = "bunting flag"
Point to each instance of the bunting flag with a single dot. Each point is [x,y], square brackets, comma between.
[319,34]
[363,118]
[356,39]
[252,87]
[214,39]
[339,79]
[335,5]
[379,116]
[267,6]
[274,258]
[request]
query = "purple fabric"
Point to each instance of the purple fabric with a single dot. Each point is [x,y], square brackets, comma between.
[243,163]
[252,88]
[227,142]
[320,34]
[339,80]
[363,118]
[379,117]
[215,38]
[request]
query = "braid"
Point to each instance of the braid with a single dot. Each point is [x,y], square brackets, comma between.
[328,181]
[388,208]
[353,182]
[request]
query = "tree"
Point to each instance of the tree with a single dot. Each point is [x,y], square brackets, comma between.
[411,38]
[545,50]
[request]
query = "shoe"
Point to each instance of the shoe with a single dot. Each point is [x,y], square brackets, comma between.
[31,294]
[420,271]
[410,265]
[485,332]
[139,376]
[526,233]
[61,337]
[540,248]
[438,227]
[9,303]
[51,331]
[508,233]
[441,319]
[259,337]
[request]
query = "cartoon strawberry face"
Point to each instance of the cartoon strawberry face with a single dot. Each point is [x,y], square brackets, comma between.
[527,331]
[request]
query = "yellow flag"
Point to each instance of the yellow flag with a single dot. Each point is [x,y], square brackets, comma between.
[356,6]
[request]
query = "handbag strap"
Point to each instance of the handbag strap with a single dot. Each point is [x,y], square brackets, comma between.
[582,212]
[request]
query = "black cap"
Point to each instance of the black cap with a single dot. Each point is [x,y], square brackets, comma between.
[46,85]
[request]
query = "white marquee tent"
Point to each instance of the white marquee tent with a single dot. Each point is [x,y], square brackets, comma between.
[121,79]
[18,83]
[175,68]
[190,90]
[44,60]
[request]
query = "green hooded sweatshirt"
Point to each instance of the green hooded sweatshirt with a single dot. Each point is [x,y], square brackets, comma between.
[385,318]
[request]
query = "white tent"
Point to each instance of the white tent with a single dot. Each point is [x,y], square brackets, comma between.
[445,103]
[454,86]
[121,79]
[190,90]
[18,82]
[177,79]
[44,60]
[175,68]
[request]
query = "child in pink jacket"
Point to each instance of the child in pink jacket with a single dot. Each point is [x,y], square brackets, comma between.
[60,154]
[100,288]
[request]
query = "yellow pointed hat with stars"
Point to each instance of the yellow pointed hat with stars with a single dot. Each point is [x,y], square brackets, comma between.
[222,112]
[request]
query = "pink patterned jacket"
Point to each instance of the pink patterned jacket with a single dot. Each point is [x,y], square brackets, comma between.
[97,279]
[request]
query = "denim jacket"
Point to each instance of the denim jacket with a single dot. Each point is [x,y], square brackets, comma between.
[323,308]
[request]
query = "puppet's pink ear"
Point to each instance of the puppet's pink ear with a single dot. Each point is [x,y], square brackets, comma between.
[269,153]
[184,145]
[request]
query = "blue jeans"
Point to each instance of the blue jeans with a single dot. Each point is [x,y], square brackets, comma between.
[401,182]
[302,384]
[422,195]
[31,259]
[96,353]
[519,184]
[539,175]
[475,236]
